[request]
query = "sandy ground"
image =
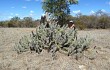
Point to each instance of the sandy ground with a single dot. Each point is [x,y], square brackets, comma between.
[93,59]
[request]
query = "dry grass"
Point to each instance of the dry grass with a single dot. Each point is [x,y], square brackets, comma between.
[94,59]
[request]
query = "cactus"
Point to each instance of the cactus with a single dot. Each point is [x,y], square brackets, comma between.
[54,39]
[22,45]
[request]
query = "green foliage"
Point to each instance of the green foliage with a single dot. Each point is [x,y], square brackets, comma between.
[80,25]
[58,9]
[1,23]
[98,20]
[4,23]
[14,22]
[17,22]
[55,39]
[103,22]
[28,21]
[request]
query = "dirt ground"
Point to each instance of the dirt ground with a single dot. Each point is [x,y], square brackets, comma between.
[93,59]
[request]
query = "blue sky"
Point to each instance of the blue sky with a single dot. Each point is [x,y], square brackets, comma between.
[33,8]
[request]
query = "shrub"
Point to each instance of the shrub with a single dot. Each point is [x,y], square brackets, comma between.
[80,25]
[1,23]
[54,39]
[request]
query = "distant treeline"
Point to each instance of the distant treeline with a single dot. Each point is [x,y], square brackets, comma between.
[17,22]
[92,21]
[99,20]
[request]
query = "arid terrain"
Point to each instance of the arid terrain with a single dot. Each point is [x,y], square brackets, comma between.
[94,58]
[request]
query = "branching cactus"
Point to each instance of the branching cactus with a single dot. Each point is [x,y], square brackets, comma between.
[54,39]
[22,45]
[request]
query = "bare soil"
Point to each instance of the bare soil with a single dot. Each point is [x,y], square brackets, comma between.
[93,59]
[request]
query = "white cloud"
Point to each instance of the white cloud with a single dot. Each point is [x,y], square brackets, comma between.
[31,11]
[76,12]
[16,14]
[10,17]
[24,7]
[103,10]
[31,14]
[92,12]
[109,2]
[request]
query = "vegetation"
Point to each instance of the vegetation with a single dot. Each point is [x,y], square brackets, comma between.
[17,22]
[54,39]
[99,20]
[58,9]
